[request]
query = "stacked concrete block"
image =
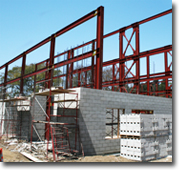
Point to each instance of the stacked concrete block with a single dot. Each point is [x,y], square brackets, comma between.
[137,149]
[152,137]
[136,125]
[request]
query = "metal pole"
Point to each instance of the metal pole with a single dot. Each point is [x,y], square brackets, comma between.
[99,41]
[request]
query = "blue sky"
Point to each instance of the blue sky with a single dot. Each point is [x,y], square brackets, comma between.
[24,23]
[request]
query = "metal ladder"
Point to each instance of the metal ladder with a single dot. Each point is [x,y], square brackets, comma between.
[60,142]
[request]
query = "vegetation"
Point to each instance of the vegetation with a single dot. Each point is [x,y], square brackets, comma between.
[14,88]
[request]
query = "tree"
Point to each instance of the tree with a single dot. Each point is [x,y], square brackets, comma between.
[13,89]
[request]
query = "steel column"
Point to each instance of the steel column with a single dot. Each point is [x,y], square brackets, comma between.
[35,79]
[121,59]
[22,73]
[137,60]
[50,83]
[92,67]
[5,81]
[71,69]
[166,72]
[67,71]
[99,41]
[147,62]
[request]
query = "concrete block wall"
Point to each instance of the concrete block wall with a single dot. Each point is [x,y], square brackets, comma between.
[38,114]
[25,124]
[20,127]
[11,127]
[92,115]
[92,120]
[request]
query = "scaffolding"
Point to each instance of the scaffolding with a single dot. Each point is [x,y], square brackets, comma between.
[13,124]
[61,124]
[113,122]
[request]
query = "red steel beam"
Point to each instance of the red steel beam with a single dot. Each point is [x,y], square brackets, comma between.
[99,44]
[90,15]
[62,31]
[67,72]
[92,66]
[137,54]
[121,58]
[22,73]
[50,83]
[77,58]
[58,33]
[155,16]
[148,70]
[89,54]
[140,22]
[99,40]
[35,76]
[11,61]
[71,69]
[5,81]
[132,80]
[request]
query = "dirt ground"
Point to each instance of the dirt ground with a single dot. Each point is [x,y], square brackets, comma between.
[110,158]
[12,156]
[9,156]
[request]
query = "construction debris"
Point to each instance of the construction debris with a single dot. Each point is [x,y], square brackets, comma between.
[37,151]
[29,156]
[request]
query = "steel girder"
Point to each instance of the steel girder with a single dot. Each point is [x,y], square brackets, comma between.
[96,55]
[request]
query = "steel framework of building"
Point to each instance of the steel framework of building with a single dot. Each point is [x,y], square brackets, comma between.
[96,54]
[119,81]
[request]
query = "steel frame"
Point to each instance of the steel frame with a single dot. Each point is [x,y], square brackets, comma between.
[96,55]
[57,138]
[119,81]
[113,122]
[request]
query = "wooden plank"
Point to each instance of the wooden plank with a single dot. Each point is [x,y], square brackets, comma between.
[29,156]
[69,100]
[55,123]
[14,99]
[53,92]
